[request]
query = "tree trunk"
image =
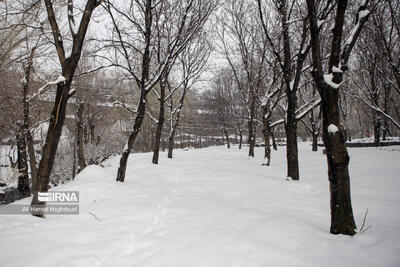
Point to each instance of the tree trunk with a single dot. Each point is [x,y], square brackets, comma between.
[267,148]
[377,128]
[386,108]
[360,124]
[160,124]
[51,144]
[291,138]
[132,137]
[250,137]
[157,141]
[28,135]
[314,130]
[251,124]
[227,138]
[22,163]
[92,127]
[342,221]
[170,146]
[32,158]
[315,141]
[26,124]
[79,137]
[172,133]
[240,138]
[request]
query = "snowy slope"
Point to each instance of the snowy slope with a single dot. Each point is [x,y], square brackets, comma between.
[215,207]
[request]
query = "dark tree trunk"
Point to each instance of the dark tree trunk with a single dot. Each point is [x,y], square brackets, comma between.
[22,163]
[291,138]
[171,139]
[240,138]
[79,137]
[251,124]
[160,124]
[342,220]
[250,137]
[227,138]
[377,129]
[345,132]
[315,141]
[157,141]
[51,144]
[314,130]
[132,137]
[170,146]
[85,134]
[92,127]
[267,135]
[360,123]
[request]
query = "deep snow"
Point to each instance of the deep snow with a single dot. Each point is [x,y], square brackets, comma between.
[215,207]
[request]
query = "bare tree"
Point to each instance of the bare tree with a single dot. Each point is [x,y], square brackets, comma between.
[191,63]
[342,220]
[375,83]
[245,52]
[287,43]
[183,19]
[68,63]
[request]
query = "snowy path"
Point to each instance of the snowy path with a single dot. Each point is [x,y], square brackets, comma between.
[214,207]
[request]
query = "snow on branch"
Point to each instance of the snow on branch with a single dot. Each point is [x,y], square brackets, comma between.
[45,87]
[373,107]
[268,95]
[300,113]
[118,103]
[151,117]
[361,17]
[308,109]
[276,123]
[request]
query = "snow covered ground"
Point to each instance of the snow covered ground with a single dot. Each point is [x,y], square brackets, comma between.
[215,207]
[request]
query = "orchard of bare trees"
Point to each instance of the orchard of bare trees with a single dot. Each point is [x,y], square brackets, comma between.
[84,81]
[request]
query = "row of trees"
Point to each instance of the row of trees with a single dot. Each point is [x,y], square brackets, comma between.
[291,65]
[310,62]
[147,42]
